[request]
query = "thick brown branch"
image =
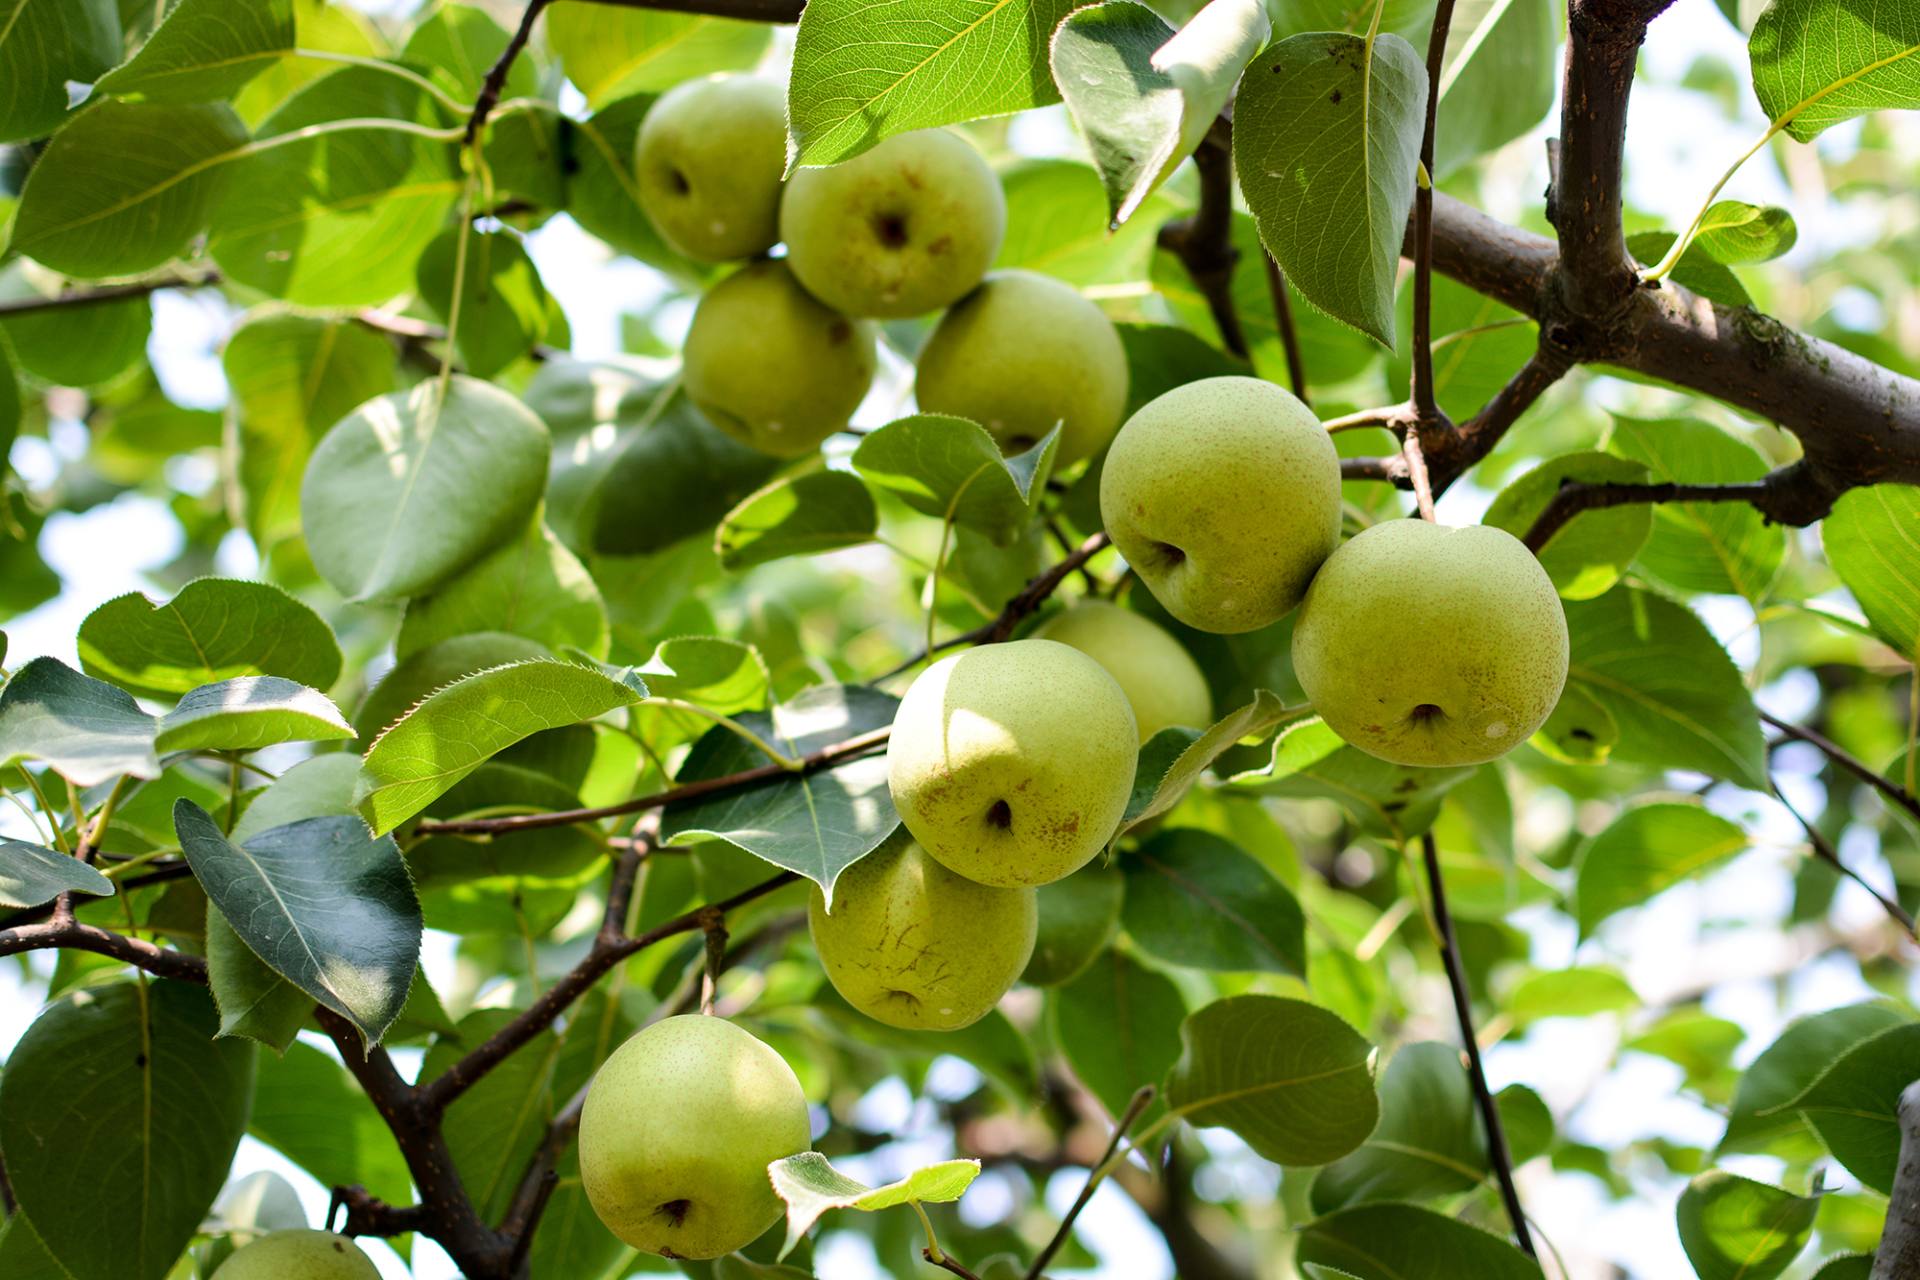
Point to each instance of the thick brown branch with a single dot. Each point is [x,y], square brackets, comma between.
[1576,496]
[1203,241]
[369,1215]
[1898,1257]
[162,962]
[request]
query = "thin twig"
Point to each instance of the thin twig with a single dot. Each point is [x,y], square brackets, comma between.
[1142,1099]
[1289,335]
[107,293]
[1203,241]
[1420,380]
[1848,761]
[1381,417]
[496,80]
[946,1262]
[1576,496]
[1824,850]
[1417,472]
[1059,534]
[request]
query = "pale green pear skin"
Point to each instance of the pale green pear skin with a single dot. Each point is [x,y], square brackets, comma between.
[905,228]
[1012,763]
[772,367]
[298,1255]
[1224,497]
[913,945]
[1427,645]
[1022,353]
[1163,684]
[708,163]
[678,1129]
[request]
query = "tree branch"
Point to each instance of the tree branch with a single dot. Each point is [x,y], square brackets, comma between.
[1420,380]
[1576,496]
[496,80]
[108,293]
[162,962]
[1141,1100]
[1289,335]
[1203,241]
[1824,850]
[1898,1257]
[1846,760]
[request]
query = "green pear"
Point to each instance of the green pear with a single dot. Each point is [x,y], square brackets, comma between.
[903,229]
[913,945]
[298,1255]
[1224,496]
[677,1132]
[1162,682]
[1022,353]
[1011,764]
[772,367]
[708,163]
[1426,645]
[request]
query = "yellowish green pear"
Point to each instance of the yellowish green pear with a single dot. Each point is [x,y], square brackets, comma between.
[1428,645]
[1012,763]
[1022,353]
[913,945]
[298,1255]
[903,229]
[1162,682]
[1224,496]
[677,1132]
[772,367]
[708,162]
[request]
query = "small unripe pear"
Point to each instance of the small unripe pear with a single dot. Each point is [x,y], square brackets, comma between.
[903,229]
[1427,645]
[1162,682]
[677,1132]
[298,1255]
[708,162]
[771,366]
[1022,353]
[1012,764]
[913,945]
[1224,496]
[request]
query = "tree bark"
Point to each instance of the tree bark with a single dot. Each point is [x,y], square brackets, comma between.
[1898,1257]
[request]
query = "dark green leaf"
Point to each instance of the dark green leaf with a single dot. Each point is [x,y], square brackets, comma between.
[214,629]
[1759,1119]
[493,1128]
[1077,918]
[1405,1242]
[31,875]
[951,469]
[74,347]
[505,311]
[821,511]
[1173,760]
[308,1108]
[1429,1142]
[603,196]
[531,586]
[204,50]
[254,1001]
[1645,851]
[1195,899]
[42,47]
[1119,1025]
[433,668]
[1497,79]
[87,731]
[1734,1228]
[1854,1104]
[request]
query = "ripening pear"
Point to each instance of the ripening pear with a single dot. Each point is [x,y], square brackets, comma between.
[1012,763]
[1427,645]
[1224,496]
[900,230]
[1162,682]
[913,945]
[772,367]
[1022,353]
[298,1255]
[677,1132]
[708,162]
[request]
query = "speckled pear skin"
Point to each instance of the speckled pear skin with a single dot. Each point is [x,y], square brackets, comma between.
[677,1132]
[1428,645]
[1224,496]
[772,367]
[1011,763]
[298,1255]
[903,229]
[913,945]
[1163,683]
[1021,353]
[708,162]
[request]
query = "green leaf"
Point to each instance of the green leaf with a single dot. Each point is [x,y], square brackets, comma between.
[1290,1078]
[1703,546]
[1587,555]
[1675,698]
[1077,918]
[459,43]
[1143,96]
[1389,800]
[951,469]
[1429,1142]
[721,675]
[1057,225]
[120,1115]
[254,1001]
[1872,540]
[612,54]
[532,586]
[1496,80]
[1160,357]
[1854,1104]
[1119,1023]
[493,1128]
[816,824]
[811,1186]
[1326,139]
[1569,993]
[1645,851]
[124,186]
[31,875]
[204,51]
[338,220]
[1818,62]
[86,731]
[330,908]
[250,712]
[42,47]
[1173,760]
[1735,233]
[433,668]
[1406,1242]
[505,311]
[309,1109]
[1852,1266]
[214,629]
[1700,1043]
[456,729]
[865,70]
[1734,1228]
[1194,899]
[387,500]
[24,1256]
[821,511]
[1760,1119]
[1697,271]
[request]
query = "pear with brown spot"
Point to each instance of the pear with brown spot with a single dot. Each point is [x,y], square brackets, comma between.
[707,166]
[298,1255]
